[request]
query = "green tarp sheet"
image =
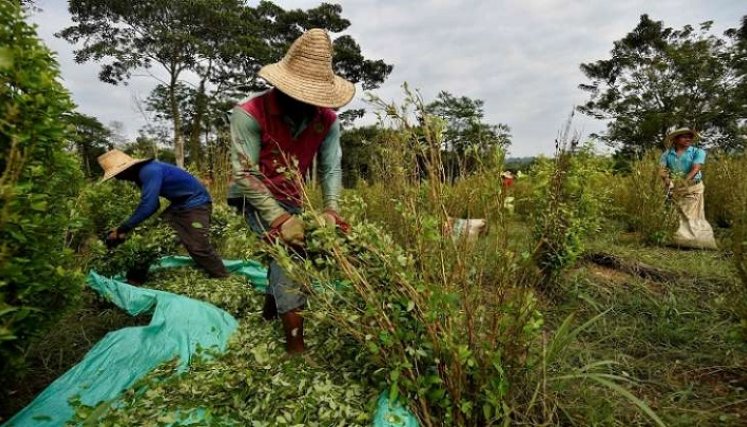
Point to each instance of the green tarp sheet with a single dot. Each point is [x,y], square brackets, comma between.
[179,325]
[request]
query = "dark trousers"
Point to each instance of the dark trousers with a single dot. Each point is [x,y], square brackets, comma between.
[192,225]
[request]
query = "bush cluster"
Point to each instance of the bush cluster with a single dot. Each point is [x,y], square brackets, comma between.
[569,197]
[38,182]
[644,207]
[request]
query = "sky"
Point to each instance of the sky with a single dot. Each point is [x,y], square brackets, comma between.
[521,57]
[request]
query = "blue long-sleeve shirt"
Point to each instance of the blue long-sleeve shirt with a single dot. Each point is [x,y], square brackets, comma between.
[170,182]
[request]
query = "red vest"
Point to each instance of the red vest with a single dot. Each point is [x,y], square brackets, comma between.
[283,160]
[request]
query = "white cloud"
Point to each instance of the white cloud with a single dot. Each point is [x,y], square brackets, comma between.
[521,57]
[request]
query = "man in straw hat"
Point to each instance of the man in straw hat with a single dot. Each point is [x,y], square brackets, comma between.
[680,169]
[276,136]
[189,211]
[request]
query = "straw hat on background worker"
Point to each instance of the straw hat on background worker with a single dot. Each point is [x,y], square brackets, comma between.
[305,72]
[114,162]
[680,131]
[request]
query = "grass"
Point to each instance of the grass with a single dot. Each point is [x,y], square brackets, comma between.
[676,342]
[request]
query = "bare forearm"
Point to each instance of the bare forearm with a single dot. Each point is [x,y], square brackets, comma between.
[694,171]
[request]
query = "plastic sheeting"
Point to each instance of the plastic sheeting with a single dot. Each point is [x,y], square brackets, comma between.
[389,414]
[179,326]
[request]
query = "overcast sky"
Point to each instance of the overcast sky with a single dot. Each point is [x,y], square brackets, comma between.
[520,56]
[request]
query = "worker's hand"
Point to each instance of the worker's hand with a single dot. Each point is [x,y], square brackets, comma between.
[289,228]
[292,231]
[115,238]
[333,219]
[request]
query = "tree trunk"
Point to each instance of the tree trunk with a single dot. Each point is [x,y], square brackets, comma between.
[196,154]
[178,140]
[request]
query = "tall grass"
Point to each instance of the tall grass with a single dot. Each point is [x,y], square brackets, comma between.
[723,175]
[644,206]
[220,165]
[726,192]
[568,197]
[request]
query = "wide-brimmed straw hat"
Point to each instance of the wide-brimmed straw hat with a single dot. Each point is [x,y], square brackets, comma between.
[115,162]
[681,131]
[305,73]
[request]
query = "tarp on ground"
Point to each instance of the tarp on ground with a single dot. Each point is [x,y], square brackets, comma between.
[178,327]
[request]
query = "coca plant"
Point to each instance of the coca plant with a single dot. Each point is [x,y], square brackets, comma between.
[447,323]
[38,181]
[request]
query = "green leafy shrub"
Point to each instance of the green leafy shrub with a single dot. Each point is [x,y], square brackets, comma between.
[522,192]
[569,197]
[143,247]
[230,234]
[38,181]
[721,172]
[103,206]
[445,323]
[644,207]
[730,186]
[735,174]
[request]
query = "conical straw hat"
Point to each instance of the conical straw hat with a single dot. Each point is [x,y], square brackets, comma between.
[305,73]
[115,162]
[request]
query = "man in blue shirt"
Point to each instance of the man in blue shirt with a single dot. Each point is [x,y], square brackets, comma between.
[189,211]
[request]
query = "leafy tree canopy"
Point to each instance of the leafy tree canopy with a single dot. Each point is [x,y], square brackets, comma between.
[658,78]
[466,127]
[223,43]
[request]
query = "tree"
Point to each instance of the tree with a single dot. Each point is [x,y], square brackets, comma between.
[222,42]
[359,148]
[39,181]
[467,138]
[159,103]
[658,78]
[739,64]
[135,34]
[90,139]
[465,126]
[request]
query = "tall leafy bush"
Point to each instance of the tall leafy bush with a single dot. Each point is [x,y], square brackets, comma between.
[569,196]
[444,324]
[644,206]
[38,181]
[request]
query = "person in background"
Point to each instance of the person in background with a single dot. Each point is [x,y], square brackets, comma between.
[189,211]
[507,179]
[275,138]
[681,171]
